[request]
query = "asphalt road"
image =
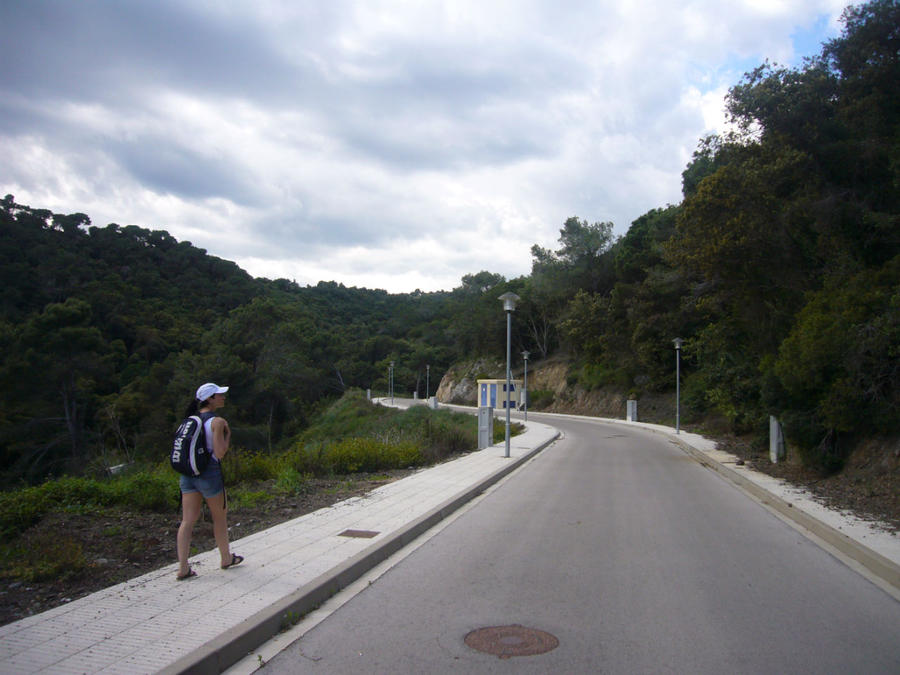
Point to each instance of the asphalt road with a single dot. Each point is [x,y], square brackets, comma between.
[634,557]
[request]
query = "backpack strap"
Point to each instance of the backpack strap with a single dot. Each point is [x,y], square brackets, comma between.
[204,417]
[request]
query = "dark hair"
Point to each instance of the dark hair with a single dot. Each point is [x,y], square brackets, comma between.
[192,408]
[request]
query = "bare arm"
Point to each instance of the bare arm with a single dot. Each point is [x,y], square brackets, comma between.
[221,437]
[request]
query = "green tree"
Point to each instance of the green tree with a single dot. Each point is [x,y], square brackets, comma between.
[59,365]
[581,262]
[839,365]
[641,249]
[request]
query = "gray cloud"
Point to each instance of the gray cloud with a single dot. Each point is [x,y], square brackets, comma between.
[369,142]
[169,169]
[107,50]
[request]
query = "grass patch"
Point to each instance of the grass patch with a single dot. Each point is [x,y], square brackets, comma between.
[291,481]
[149,489]
[44,558]
[238,499]
[243,466]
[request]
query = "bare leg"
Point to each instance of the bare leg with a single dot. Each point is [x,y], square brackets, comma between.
[219,515]
[191,504]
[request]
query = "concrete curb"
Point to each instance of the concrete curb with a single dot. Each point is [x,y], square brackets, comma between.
[235,643]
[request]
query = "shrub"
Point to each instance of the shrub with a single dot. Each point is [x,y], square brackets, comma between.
[291,481]
[354,455]
[304,460]
[592,376]
[147,489]
[499,430]
[445,437]
[143,490]
[240,466]
[350,416]
[21,509]
[539,399]
[70,491]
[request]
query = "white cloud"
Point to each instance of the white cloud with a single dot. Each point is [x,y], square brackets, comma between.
[398,145]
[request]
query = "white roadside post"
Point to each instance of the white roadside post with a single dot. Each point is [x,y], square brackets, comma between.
[525,356]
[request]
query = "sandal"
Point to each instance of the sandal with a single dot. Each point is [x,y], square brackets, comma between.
[190,573]
[235,560]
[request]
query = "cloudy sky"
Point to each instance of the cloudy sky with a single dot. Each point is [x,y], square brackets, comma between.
[378,143]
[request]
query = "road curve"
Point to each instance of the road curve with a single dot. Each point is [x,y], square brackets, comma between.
[634,557]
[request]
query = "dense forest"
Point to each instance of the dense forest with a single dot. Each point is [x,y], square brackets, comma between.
[780,269]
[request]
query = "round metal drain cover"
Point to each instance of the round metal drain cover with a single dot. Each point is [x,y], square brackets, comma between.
[507,641]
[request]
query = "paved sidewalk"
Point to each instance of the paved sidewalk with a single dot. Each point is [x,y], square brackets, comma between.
[155,624]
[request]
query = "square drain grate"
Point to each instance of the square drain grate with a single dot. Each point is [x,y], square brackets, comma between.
[359,534]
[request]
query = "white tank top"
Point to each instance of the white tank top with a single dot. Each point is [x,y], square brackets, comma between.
[207,430]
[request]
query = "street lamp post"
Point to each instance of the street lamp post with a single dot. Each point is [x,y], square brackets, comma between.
[678,342]
[391,385]
[509,306]
[525,356]
[427,376]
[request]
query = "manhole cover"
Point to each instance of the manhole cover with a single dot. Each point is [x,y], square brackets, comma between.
[507,641]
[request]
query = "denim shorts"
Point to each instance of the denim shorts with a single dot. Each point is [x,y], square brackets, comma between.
[209,483]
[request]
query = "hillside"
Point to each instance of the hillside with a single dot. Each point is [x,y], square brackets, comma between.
[778,272]
[106,331]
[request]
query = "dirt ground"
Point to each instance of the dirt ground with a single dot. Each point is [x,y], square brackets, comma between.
[117,545]
[868,487]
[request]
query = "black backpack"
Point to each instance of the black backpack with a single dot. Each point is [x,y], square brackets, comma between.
[189,453]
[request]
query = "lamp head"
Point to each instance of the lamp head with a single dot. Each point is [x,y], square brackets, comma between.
[678,342]
[509,301]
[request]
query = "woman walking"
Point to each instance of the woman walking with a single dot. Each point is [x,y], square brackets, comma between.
[209,485]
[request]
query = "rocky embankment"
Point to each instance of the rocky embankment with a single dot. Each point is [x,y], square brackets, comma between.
[551,391]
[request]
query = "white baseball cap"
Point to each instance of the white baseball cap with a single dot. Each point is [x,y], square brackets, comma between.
[209,390]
